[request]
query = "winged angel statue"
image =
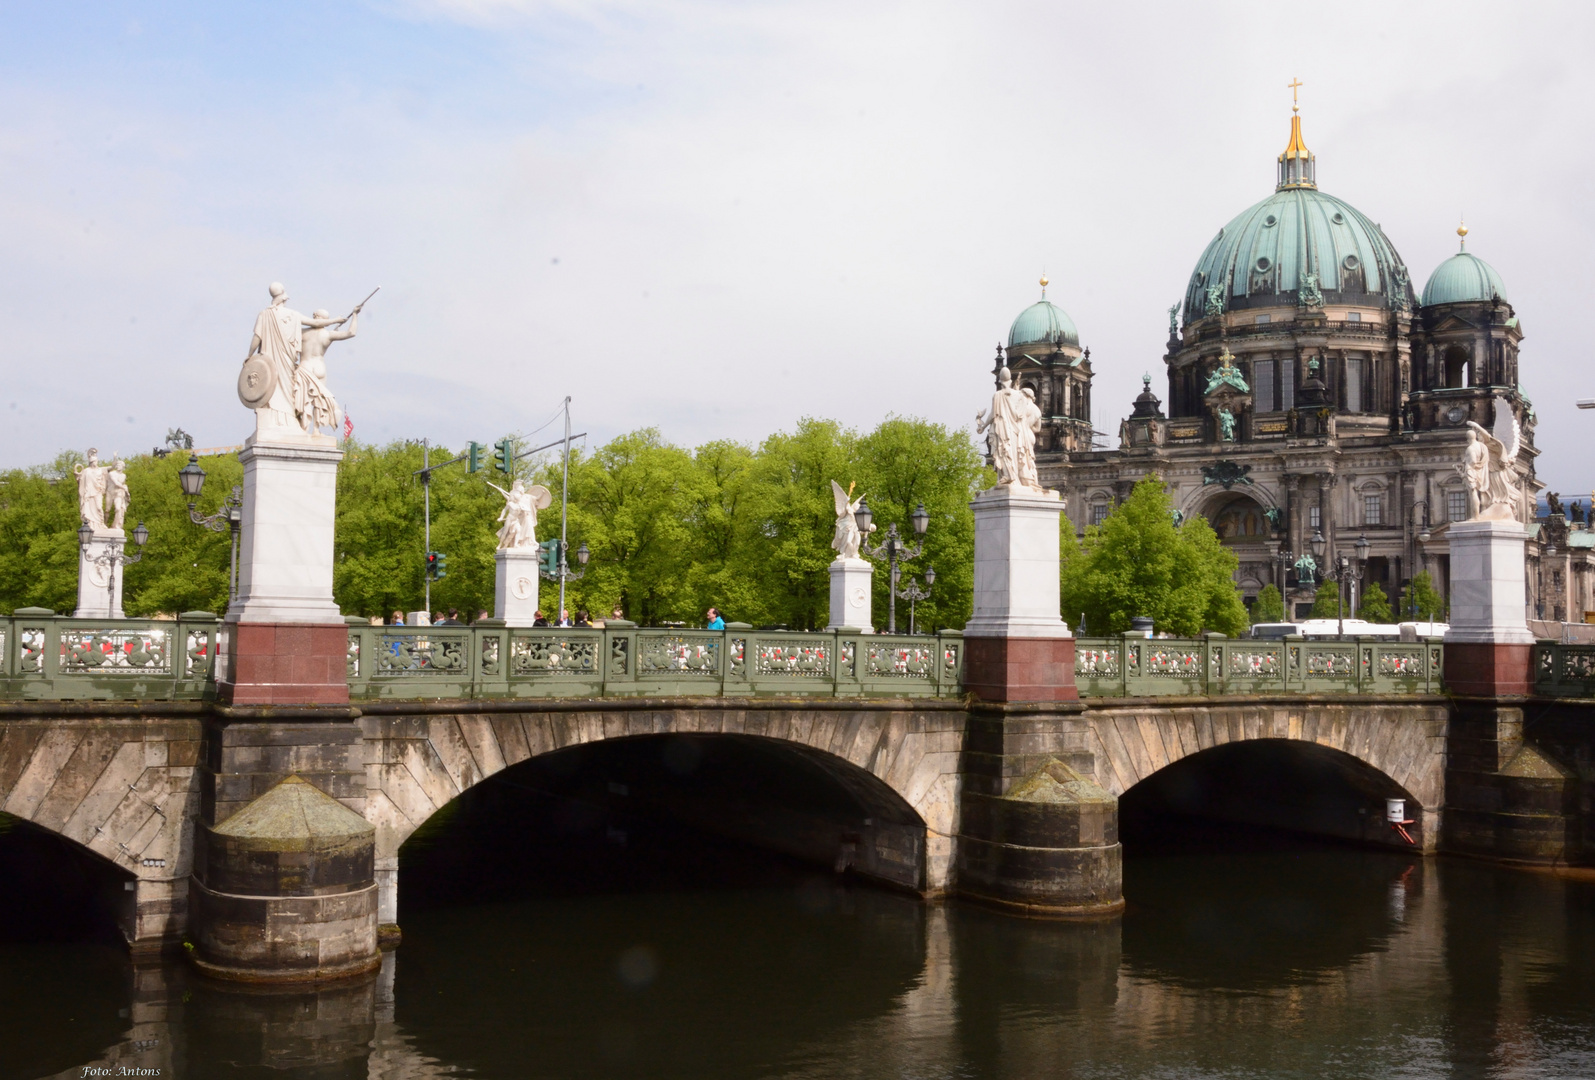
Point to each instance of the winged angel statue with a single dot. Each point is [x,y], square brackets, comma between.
[1489,467]
[521,504]
[847,538]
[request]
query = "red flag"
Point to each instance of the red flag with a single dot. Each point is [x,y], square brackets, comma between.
[348,427]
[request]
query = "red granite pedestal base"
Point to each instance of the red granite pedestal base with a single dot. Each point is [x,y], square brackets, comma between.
[285,664]
[1487,669]
[1020,669]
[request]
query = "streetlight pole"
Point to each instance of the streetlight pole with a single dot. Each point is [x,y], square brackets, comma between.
[1346,571]
[895,549]
[230,516]
[913,594]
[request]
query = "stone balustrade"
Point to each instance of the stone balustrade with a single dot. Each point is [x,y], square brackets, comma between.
[44,656]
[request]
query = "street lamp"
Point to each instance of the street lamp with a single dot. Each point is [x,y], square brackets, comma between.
[108,559]
[1284,558]
[895,550]
[1344,570]
[913,594]
[231,515]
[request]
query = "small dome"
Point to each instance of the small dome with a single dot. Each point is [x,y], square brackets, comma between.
[1462,278]
[1043,323]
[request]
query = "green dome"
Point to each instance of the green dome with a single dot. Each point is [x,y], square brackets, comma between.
[1462,278]
[1260,259]
[1043,323]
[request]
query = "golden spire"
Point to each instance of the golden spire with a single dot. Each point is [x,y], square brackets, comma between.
[1462,231]
[1044,283]
[1296,168]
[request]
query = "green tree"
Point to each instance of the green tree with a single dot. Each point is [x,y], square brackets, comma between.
[1374,605]
[1423,599]
[1137,562]
[1326,602]
[1269,607]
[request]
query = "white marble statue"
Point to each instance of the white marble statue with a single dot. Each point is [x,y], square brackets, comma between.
[313,402]
[284,378]
[521,504]
[91,491]
[847,538]
[1010,427]
[1489,467]
[116,494]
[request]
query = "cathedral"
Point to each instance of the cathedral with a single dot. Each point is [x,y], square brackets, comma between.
[1312,391]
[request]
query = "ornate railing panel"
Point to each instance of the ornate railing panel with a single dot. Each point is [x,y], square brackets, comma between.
[1132,666]
[1562,670]
[44,656]
[625,660]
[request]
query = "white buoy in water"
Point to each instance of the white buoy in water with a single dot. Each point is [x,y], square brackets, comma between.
[1396,811]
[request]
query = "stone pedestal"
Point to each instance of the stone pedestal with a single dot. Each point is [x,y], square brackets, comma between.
[285,641]
[1017,647]
[1488,645]
[515,586]
[100,584]
[284,890]
[851,594]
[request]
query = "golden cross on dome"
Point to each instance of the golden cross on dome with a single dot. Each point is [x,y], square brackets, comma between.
[1294,84]
[1226,358]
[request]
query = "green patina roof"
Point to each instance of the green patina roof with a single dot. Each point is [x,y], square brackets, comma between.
[1261,257]
[295,809]
[1043,323]
[1462,278]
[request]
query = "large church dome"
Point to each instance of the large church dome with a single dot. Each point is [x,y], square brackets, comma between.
[1264,256]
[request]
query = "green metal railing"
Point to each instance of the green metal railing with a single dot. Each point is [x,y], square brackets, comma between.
[1562,670]
[1138,666]
[49,657]
[622,660]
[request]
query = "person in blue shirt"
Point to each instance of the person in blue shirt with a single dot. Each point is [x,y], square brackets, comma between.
[715,621]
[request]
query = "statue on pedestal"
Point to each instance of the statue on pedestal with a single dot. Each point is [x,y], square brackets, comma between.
[91,491]
[313,402]
[521,504]
[1010,427]
[846,539]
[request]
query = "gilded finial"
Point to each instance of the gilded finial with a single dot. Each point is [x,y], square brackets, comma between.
[1295,84]
[1462,231]
[1045,281]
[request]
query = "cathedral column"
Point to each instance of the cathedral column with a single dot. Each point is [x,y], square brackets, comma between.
[1293,515]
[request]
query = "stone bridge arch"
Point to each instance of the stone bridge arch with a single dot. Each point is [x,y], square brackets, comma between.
[1404,743]
[419,761]
[124,788]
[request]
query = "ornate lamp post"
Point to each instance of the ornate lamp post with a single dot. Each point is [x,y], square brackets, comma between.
[1285,558]
[1345,571]
[109,559]
[562,571]
[230,516]
[894,549]
[913,594]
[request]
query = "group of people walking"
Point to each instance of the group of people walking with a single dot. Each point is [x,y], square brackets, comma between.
[712,618]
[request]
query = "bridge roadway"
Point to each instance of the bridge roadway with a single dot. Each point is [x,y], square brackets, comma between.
[942,795]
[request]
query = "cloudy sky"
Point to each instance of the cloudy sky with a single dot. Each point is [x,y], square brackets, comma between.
[716,218]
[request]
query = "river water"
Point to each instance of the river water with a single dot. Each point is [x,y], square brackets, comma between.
[1285,961]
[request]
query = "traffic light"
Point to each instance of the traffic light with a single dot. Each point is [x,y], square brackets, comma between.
[473,457]
[548,559]
[437,565]
[504,455]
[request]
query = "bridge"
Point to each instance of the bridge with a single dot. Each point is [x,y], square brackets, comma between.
[113,736]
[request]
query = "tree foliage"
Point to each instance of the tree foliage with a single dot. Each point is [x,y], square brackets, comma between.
[1269,607]
[671,531]
[1326,601]
[1138,562]
[1423,601]
[1373,605]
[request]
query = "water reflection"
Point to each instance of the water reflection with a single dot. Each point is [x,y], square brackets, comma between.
[1288,963]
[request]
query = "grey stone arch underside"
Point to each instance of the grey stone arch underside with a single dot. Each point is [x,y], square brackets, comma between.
[416,763]
[1404,744]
